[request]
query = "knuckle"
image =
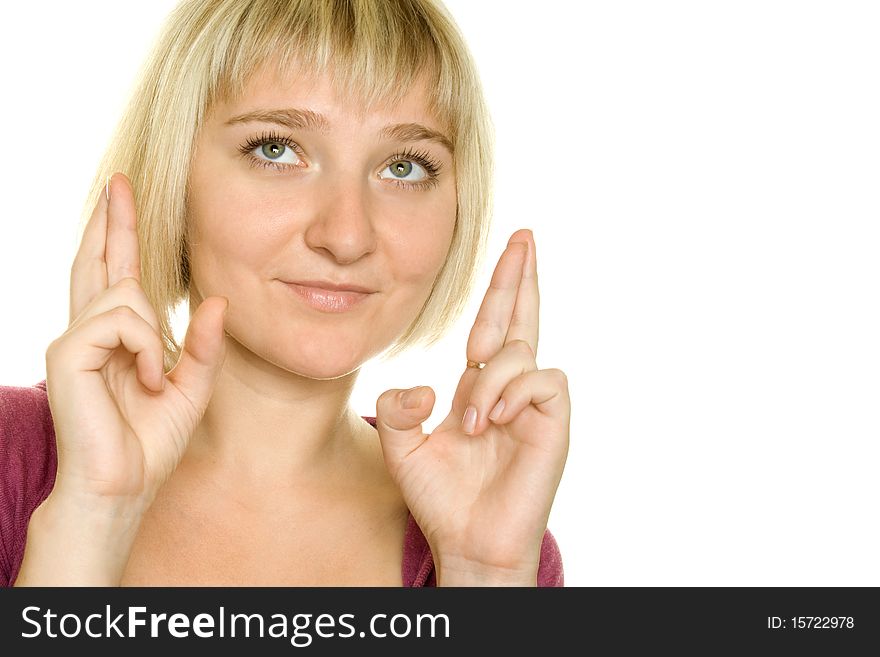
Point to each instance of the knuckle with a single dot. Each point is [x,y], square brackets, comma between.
[517,387]
[560,377]
[521,346]
[129,282]
[123,311]
[134,296]
[479,348]
[488,324]
[487,321]
[52,349]
[58,348]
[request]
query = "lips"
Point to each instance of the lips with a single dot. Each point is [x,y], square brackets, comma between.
[328,300]
[333,287]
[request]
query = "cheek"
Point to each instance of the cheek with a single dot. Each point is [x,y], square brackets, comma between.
[420,240]
[231,222]
[415,260]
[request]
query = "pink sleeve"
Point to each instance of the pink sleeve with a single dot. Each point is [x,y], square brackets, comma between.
[550,571]
[27,468]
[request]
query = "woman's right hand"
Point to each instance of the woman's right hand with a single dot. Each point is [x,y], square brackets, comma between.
[121,424]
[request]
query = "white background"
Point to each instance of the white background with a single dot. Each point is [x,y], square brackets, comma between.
[702,182]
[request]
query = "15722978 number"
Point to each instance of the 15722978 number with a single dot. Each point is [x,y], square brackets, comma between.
[810,622]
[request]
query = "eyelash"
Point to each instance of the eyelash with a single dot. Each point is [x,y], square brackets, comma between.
[431,166]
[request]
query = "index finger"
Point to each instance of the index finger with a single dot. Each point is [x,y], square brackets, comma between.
[88,274]
[108,251]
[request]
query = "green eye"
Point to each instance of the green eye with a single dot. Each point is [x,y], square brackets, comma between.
[401,168]
[403,165]
[268,149]
[273,150]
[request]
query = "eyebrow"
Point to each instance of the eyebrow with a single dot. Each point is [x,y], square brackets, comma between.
[301,119]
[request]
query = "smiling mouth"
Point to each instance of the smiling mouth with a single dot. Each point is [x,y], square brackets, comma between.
[328,301]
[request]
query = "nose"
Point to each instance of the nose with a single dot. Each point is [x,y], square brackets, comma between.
[342,226]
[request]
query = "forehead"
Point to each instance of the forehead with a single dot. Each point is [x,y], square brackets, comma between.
[317,94]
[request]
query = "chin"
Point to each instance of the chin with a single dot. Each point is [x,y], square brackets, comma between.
[321,361]
[323,371]
[324,356]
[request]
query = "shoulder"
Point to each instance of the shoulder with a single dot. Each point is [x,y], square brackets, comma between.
[27,434]
[27,467]
[550,572]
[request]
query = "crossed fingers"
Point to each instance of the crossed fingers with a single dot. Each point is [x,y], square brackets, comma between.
[504,337]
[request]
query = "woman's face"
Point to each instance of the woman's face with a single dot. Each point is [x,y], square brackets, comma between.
[345,199]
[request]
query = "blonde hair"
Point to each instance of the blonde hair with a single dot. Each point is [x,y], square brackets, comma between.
[376,49]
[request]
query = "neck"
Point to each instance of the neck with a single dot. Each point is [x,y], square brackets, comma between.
[267,427]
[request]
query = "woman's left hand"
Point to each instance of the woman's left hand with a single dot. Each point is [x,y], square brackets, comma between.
[481,488]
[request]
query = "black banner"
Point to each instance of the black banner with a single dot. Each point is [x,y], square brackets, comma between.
[333,621]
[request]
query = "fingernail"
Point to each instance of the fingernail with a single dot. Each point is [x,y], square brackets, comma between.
[107,187]
[411,398]
[524,256]
[497,411]
[469,421]
[518,240]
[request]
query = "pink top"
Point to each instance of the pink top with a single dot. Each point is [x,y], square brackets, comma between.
[27,475]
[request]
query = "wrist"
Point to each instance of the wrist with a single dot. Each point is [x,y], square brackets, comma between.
[94,507]
[79,540]
[454,572]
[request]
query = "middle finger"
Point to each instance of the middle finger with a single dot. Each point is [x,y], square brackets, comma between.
[493,319]
[122,254]
[524,323]
[108,251]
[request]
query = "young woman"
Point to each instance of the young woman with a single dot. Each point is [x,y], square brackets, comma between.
[314,178]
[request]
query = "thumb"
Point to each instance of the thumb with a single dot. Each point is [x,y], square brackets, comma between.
[399,417]
[204,349]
